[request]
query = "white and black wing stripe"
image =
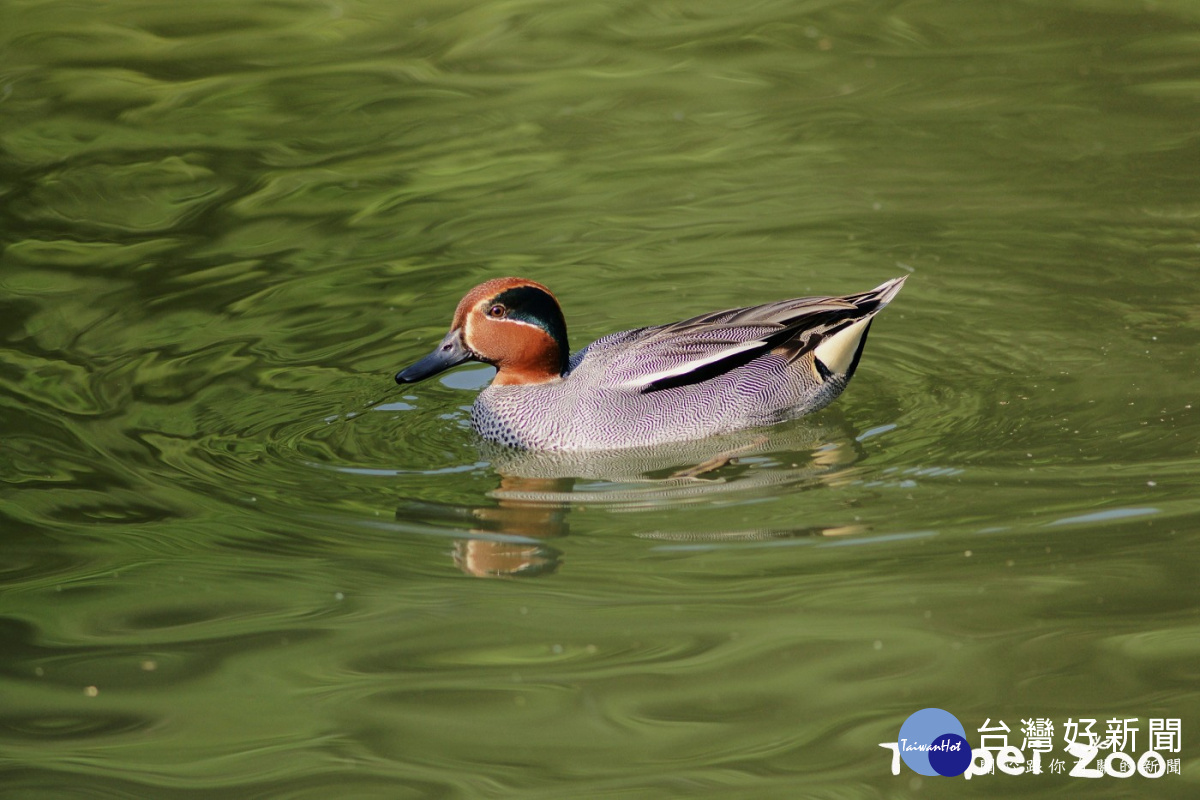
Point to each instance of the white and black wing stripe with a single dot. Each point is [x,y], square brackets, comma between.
[696,349]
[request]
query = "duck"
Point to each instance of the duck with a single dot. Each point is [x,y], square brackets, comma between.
[712,374]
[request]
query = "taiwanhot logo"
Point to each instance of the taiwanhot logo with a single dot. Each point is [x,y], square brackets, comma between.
[933,742]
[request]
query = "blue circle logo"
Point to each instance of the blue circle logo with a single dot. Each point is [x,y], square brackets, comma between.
[933,742]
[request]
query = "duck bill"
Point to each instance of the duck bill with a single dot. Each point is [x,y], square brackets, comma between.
[449,353]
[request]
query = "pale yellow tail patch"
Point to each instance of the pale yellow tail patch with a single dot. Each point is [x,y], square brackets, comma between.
[837,351]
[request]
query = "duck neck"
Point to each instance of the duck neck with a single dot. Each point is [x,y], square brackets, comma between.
[531,366]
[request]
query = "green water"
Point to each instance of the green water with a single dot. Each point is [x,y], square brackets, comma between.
[225,227]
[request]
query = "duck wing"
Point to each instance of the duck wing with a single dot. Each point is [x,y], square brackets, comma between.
[696,349]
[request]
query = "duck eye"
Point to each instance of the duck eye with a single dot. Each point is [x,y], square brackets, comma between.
[497,311]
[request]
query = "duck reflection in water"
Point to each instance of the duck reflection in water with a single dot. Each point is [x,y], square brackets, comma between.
[651,416]
[537,491]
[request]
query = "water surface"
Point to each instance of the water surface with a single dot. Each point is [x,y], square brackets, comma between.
[239,561]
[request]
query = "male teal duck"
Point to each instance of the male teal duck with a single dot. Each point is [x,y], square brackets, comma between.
[710,374]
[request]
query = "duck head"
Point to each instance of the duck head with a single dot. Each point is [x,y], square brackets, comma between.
[513,324]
